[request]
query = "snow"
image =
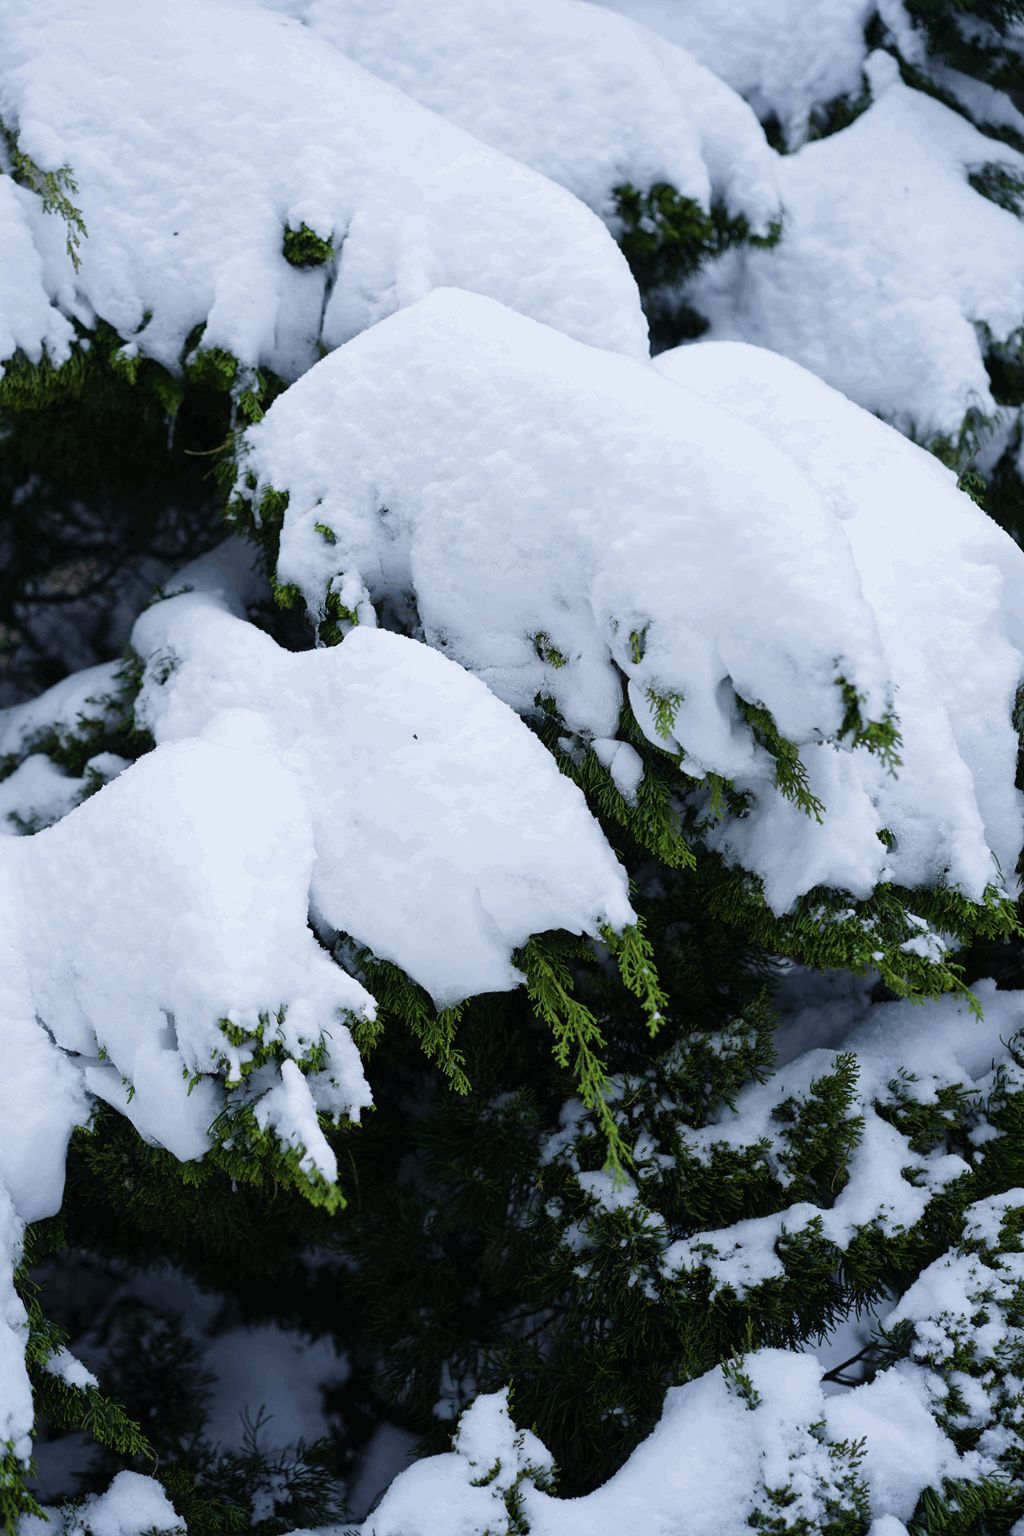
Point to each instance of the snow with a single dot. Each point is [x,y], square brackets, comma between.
[376,785]
[715,1454]
[28,321]
[905,1450]
[462,1493]
[133,1505]
[889,261]
[412,443]
[194,143]
[930,1046]
[785,56]
[710,1460]
[270,1376]
[444,834]
[942,582]
[70,1370]
[84,695]
[589,99]
[36,791]
[16,1415]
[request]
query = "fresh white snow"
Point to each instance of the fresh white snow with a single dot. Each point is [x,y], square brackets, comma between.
[888,263]
[589,99]
[785,56]
[195,137]
[657,536]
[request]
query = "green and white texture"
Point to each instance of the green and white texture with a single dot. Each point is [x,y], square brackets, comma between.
[503,953]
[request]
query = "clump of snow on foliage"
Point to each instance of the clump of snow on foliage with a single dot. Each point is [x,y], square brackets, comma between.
[444,834]
[193,149]
[888,1184]
[28,321]
[656,537]
[786,57]
[133,1505]
[589,99]
[376,786]
[467,1489]
[16,1413]
[890,262]
[725,1444]
[940,579]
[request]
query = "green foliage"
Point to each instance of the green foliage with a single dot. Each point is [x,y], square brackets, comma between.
[303,247]
[974,36]
[667,238]
[664,708]
[790,773]
[578,1041]
[549,652]
[56,188]
[819,1134]
[999,185]
[882,737]
[400,999]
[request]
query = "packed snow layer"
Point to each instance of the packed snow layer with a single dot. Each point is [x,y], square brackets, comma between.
[444,834]
[889,263]
[945,587]
[586,97]
[785,56]
[195,141]
[375,787]
[559,517]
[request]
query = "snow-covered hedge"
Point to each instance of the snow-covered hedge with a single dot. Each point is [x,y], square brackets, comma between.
[522,948]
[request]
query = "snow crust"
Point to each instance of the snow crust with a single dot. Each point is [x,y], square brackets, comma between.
[888,264]
[589,99]
[944,585]
[194,142]
[785,56]
[535,499]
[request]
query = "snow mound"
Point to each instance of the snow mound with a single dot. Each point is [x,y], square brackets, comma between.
[785,56]
[888,265]
[444,834]
[194,146]
[943,582]
[375,787]
[559,518]
[725,1444]
[587,98]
